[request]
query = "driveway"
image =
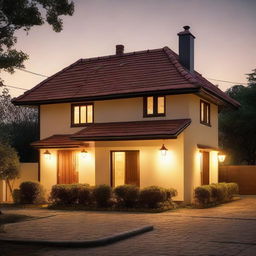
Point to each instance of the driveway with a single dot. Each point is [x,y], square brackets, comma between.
[229,229]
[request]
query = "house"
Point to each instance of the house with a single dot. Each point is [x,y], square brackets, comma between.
[144,118]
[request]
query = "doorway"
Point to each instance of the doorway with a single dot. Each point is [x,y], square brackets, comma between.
[125,168]
[67,173]
[205,168]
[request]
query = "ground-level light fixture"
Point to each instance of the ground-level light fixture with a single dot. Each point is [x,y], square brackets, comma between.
[47,154]
[221,157]
[163,150]
[83,153]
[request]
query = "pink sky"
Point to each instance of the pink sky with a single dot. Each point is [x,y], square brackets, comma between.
[225,30]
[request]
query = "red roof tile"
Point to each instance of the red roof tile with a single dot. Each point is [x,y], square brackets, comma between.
[114,76]
[132,130]
[58,141]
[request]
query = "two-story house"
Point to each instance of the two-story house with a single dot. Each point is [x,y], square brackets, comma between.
[144,118]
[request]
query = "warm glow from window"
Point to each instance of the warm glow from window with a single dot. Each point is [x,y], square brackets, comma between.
[82,114]
[204,112]
[160,105]
[76,115]
[119,168]
[89,114]
[150,105]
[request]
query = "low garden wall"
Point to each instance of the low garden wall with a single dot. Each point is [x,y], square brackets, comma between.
[28,172]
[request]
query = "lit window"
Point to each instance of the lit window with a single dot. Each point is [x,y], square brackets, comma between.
[154,106]
[204,112]
[81,114]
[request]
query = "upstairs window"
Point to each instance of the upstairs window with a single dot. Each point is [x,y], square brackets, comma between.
[154,106]
[204,113]
[81,114]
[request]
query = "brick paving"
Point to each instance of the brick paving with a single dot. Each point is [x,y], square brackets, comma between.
[229,229]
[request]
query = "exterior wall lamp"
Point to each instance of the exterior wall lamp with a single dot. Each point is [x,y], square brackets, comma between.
[47,155]
[83,153]
[221,158]
[163,150]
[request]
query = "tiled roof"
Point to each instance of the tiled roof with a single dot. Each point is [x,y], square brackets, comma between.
[58,141]
[132,130]
[131,74]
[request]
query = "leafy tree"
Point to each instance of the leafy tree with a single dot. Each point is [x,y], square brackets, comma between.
[24,14]
[9,164]
[18,127]
[237,128]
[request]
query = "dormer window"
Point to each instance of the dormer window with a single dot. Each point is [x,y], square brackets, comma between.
[154,106]
[205,113]
[81,114]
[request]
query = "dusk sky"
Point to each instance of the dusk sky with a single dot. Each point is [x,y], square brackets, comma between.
[225,31]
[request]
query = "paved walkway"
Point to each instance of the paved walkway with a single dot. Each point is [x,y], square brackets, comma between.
[229,229]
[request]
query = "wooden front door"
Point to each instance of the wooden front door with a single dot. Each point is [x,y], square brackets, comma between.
[205,168]
[67,167]
[125,168]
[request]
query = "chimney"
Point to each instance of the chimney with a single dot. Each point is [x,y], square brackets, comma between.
[119,49]
[186,48]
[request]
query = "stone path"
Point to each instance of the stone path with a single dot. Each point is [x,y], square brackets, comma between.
[229,229]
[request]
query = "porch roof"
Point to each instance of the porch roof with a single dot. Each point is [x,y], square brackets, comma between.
[135,130]
[58,141]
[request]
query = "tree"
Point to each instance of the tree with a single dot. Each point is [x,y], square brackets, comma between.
[237,128]
[18,127]
[9,165]
[24,14]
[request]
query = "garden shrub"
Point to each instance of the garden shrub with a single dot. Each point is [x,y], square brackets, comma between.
[152,196]
[16,196]
[170,193]
[102,195]
[67,194]
[203,194]
[127,195]
[215,193]
[31,192]
[85,195]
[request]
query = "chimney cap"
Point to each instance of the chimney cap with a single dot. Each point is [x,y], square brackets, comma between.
[119,49]
[186,31]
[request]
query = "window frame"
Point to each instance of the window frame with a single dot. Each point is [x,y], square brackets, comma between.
[155,106]
[80,105]
[204,121]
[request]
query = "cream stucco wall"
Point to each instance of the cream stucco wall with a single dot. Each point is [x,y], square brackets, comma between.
[84,166]
[198,133]
[56,119]
[155,169]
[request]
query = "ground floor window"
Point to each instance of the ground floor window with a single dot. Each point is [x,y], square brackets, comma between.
[205,167]
[125,168]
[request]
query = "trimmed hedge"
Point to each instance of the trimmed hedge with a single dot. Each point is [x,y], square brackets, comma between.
[102,195]
[215,193]
[16,196]
[68,194]
[31,193]
[125,196]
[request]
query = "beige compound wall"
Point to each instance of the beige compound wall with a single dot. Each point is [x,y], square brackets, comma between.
[28,172]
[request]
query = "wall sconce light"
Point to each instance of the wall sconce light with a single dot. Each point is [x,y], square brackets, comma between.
[163,150]
[47,155]
[83,153]
[221,158]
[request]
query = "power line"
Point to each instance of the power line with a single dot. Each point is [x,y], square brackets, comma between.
[225,81]
[15,87]
[31,72]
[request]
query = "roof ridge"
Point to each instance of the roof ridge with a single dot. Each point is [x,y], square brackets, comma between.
[123,55]
[45,80]
[182,70]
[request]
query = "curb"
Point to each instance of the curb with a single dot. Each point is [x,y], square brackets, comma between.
[85,244]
